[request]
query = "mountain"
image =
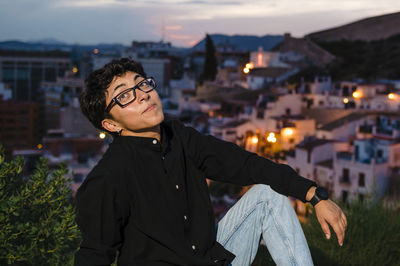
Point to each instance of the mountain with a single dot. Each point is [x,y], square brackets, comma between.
[240,43]
[369,29]
[52,45]
[316,55]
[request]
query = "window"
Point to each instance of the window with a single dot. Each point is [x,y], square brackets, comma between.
[380,153]
[345,195]
[260,113]
[345,176]
[361,180]
[356,153]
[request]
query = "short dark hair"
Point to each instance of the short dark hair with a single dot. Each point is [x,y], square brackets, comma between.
[93,99]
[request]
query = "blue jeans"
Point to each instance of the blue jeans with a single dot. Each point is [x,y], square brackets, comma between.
[263,212]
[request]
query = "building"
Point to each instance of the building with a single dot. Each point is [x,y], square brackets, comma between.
[23,71]
[57,95]
[5,93]
[366,170]
[19,125]
[259,78]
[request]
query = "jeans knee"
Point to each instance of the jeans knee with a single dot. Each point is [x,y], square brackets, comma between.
[267,194]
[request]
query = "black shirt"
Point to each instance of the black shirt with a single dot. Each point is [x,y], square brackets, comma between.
[150,200]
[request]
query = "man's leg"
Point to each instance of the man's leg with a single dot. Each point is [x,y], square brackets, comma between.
[262,211]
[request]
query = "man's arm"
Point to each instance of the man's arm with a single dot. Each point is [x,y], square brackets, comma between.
[100,220]
[328,213]
[224,161]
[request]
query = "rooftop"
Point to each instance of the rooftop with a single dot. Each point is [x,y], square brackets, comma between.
[311,144]
[327,163]
[273,72]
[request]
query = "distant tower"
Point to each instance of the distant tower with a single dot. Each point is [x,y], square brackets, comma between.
[162,31]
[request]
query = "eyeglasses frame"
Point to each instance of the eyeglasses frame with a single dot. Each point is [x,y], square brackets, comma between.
[114,100]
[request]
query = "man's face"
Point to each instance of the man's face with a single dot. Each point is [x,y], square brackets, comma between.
[141,115]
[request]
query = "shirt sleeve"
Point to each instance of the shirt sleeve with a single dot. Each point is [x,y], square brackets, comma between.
[227,162]
[100,219]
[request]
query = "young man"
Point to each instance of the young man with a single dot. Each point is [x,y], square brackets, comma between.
[148,199]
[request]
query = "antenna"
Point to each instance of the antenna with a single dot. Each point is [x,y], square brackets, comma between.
[162,31]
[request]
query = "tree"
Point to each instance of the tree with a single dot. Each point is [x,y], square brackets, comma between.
[210,62]
[37,220]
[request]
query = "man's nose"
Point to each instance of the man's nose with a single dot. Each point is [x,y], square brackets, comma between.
[142,96]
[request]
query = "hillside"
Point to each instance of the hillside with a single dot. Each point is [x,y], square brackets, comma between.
[371,61]
[369,29]
[243,43]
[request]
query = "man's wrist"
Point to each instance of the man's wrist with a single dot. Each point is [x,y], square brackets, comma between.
[317,194]
[310,193]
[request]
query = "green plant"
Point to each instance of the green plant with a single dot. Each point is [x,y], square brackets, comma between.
[37,220]
[372,237]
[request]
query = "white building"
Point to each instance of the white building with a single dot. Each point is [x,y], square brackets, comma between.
[259,78]
[365,171]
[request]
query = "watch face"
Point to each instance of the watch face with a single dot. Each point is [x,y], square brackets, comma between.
[322,193]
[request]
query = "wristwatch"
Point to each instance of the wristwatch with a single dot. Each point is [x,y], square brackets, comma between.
[320,194]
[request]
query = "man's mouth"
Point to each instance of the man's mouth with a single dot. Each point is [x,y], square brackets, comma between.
[151,107]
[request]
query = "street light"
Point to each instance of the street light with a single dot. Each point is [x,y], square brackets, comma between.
[102,135]
[288,132]
[254,140]
[357,94]
[271,137]
[392,96]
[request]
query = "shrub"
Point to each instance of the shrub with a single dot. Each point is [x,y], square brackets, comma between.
[37,220]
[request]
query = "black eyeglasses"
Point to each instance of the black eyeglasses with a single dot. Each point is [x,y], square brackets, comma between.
[129,95]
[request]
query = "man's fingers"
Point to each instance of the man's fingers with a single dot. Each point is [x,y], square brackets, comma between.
[339,230]
[325,229]
[344,220]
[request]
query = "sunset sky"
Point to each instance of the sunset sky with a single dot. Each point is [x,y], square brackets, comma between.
[185,22]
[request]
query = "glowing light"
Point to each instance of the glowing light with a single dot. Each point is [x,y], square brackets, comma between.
[102,135]
[259,59]
[254,140]
[392,96]
[39,146]
[96,51]
[75,70]
[288,132]
[345,100]
[246,70]
[249,65]
[271,137]
[357,94]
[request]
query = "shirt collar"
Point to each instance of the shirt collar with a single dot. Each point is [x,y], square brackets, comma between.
[147,142]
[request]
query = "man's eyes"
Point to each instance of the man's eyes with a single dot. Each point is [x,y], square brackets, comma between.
[144,83]
[123,96]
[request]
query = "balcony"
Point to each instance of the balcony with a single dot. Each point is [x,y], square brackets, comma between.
[344,155]
[365,129]
[344,180]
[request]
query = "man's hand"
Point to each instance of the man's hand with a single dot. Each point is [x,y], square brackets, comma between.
[328,213]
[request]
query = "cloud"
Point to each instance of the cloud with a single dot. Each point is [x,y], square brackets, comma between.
[92,21]
[173,27]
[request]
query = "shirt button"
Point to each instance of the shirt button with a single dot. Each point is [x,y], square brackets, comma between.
[185,217]
[193,247]
[177,187]
[154,141]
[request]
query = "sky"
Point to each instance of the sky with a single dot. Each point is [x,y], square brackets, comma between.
[181,22]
